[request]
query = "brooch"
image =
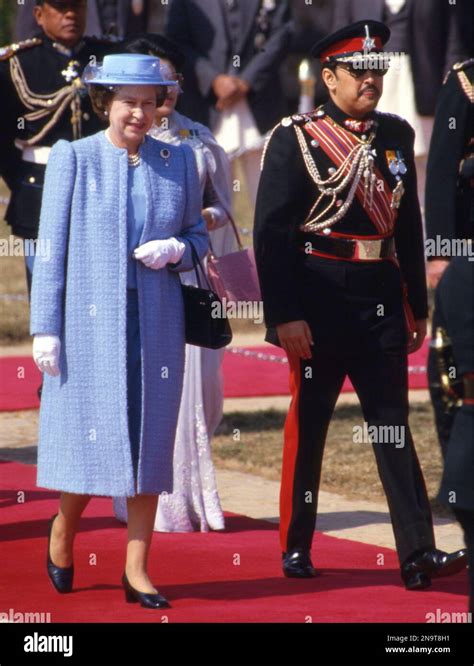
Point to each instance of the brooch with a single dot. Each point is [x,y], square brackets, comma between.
[165,154]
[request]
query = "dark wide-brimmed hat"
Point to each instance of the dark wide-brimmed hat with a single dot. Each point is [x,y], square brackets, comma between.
[355,41]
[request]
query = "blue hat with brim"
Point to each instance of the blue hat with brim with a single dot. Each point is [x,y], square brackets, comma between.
[126,69]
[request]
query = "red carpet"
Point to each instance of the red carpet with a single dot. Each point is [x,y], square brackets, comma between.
[245,375]
[216,577]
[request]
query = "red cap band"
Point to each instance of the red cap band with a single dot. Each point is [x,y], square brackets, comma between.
[355,44]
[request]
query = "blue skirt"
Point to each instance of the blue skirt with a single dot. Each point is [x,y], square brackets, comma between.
[134,375]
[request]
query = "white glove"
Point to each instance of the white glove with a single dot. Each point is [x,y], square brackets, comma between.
[46,350]
[156,254]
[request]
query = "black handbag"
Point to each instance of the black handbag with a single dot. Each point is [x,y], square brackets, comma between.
[205,320]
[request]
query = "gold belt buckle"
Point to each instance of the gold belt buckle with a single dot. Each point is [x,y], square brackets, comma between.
[368,250]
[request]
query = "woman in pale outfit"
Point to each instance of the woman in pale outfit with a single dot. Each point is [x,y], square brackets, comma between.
[120,211]
[194,504]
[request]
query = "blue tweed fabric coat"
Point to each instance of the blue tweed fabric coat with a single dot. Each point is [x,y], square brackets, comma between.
[80,295]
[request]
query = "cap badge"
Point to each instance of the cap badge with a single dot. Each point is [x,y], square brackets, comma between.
[368,43]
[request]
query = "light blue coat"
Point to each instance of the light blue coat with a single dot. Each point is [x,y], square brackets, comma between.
[80,295]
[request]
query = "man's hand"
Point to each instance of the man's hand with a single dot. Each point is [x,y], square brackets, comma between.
[295,338]
[435,271]
[229,91]
[225,86]
[418,336]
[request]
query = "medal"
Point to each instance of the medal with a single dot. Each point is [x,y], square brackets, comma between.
[402,167]
[396,162]
[397,195]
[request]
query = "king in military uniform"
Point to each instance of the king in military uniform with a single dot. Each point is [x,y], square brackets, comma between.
[339,251]
[43,101]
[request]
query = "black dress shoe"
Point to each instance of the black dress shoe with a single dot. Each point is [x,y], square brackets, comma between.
[133,596]
[297,564]
[418,571]
[61,577]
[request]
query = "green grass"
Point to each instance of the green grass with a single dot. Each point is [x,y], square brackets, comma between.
[13,312]
[253,442]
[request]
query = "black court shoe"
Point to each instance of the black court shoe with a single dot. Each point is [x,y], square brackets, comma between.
[297,564]
[418,571]
[133,596]
[61,577]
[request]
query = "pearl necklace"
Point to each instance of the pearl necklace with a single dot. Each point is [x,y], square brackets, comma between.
[133,158]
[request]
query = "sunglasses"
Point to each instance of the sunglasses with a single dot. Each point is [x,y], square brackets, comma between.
[358,70]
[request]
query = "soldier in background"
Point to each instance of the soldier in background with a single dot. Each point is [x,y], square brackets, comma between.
[43,101]
[450,254]
[118,18]
[449,207]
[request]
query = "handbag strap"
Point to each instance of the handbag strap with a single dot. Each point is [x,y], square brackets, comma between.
[197,264]
[236,231]
[234,228]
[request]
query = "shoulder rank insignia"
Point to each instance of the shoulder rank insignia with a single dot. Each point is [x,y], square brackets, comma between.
[466,85]
[462,65]
[7,52]
[301,118]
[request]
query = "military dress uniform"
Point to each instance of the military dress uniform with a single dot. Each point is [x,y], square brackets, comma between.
[449,207]
[339,244]
[450,216]
[43,101]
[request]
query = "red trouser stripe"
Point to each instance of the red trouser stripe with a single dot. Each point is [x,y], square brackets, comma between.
[290,451]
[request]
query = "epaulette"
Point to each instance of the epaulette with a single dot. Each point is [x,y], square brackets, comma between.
[301,118]
[466,84]
[7,52]
[463,65]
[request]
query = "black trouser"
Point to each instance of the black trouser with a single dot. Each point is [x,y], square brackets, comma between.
[443,418]
[380,379]
[466,518]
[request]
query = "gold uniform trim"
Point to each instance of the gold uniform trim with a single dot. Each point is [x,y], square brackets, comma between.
[466,85]
[8,51]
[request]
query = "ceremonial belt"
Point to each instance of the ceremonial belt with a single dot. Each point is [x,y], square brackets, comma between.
[352,249]
[468,385]
[35,154]
[337,143]
[360,250]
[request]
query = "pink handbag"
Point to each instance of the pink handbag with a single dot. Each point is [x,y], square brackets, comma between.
[234,276]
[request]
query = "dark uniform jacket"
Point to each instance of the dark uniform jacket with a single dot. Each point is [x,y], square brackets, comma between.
[32,74]
[287,194]
[450,173]
[212,36]
[103,18]
[454,298]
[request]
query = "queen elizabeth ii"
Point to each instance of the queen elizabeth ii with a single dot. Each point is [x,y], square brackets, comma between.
[121,211]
